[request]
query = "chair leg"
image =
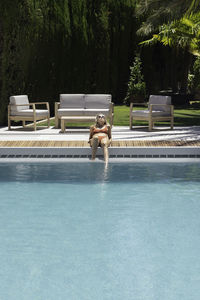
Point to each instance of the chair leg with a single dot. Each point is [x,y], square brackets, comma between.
[62,125]
[130,123]
[23,123]
[56,122]
[48,122]
[34,125]
[172,123]
[150,125]
[9,123]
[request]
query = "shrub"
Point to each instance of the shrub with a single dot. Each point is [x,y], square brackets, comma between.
[136,85]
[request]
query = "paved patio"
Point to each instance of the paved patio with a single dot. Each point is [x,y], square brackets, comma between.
[119,133]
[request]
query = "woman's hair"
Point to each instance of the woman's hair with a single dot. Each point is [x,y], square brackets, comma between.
[101,115]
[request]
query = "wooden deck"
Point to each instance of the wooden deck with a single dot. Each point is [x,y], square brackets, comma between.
[80,144]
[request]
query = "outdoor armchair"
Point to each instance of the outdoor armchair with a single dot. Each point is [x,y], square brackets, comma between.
[159,109]
[20,109]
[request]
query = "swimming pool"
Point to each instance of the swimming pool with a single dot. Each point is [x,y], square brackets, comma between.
[83,232]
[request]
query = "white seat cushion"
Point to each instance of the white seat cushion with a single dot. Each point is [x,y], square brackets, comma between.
[70,112]
[29,113]
[145,113]
[97,101]
[18,100]
[72,101]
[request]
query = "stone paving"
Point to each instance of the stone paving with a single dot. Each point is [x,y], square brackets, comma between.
[119,133]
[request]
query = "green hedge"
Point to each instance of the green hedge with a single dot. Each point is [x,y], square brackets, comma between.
[49,47]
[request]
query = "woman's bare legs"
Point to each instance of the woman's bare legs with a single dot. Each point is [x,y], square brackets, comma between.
[105,144]
[105,151]
[95,143]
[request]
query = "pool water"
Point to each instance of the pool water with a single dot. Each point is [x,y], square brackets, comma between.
[83,232]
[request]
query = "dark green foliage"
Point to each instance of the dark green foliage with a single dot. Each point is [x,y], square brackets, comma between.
[194,78]
[165,68]
[175,24]
[136,86]
[48,47]
[158,12]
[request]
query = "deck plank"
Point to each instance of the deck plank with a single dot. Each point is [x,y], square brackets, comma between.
[80,144]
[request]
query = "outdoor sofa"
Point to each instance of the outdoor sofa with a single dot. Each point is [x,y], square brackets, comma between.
[159,109]
[82,108]
[20,109]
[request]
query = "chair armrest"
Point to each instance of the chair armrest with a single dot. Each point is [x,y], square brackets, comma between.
[33,106]
[38,103]
[111,107]
[57,105]
[41,103]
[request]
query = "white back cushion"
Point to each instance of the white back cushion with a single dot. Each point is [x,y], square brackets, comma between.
[97,101]
[21,99]
[72,101]
[159,99]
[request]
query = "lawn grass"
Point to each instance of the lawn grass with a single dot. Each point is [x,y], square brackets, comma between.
[189,116]
[182,116]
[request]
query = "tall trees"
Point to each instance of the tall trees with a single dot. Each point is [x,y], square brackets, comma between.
[14,33]
[53,46]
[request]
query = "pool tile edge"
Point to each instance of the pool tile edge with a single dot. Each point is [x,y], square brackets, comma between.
[85,153]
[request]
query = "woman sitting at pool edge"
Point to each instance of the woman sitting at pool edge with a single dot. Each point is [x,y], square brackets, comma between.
[100,135]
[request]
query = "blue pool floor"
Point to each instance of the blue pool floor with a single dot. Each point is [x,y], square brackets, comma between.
[81,232]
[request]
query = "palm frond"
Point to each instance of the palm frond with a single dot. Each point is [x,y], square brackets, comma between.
[151,41]
[183,33]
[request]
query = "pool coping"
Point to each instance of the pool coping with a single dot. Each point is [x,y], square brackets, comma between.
[120,153]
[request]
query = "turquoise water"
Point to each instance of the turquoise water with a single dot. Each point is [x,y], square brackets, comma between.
[82,232]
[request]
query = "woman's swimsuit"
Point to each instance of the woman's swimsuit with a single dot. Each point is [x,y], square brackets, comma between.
[100,130]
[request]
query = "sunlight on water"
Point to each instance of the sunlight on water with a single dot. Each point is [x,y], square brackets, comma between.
[78,231]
